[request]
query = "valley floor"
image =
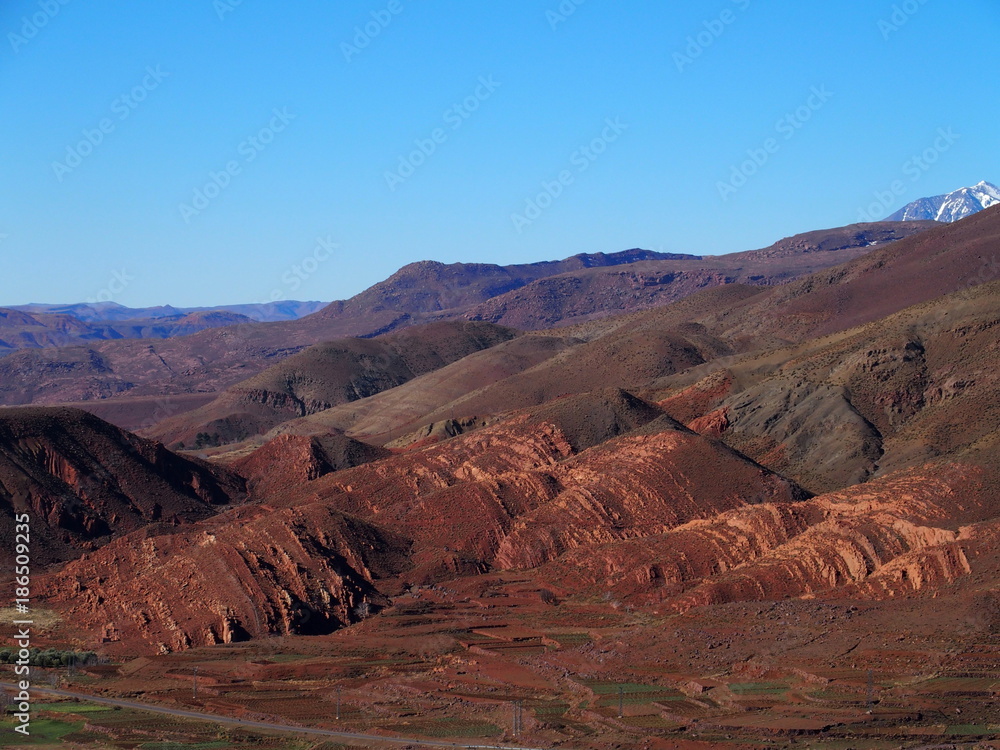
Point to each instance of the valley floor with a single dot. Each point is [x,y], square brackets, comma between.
[455,663]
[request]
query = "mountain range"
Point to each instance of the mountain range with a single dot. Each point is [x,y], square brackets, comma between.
[952,206]
[119,378]
[761,487]
[45,326]
[92,312]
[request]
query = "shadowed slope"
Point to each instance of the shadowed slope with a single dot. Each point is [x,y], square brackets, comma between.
[882,397]
[85,481]
[326,375]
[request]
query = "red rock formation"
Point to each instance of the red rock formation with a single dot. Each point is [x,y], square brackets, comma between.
[289,461]
[878,539]
[251,572]
[85,481]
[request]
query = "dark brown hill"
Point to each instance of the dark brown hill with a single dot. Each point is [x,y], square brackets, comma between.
[429,287]
[392,413]
[920,268]
[594,293]
[85,481]
[325,375]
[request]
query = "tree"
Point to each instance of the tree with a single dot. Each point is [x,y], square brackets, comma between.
[362,610]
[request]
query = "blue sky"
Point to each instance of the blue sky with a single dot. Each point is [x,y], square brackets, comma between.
[262,149]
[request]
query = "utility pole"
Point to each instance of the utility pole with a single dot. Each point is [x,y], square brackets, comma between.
[871,691]
[338,703]
[194,685]
[621,701]
[517,718]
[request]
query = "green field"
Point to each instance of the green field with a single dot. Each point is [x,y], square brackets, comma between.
[43,732]
[758,688]
[69,707]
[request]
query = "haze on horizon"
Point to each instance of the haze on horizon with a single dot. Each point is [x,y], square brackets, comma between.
[203,152]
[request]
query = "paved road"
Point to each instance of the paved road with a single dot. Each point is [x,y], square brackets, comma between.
[180,713]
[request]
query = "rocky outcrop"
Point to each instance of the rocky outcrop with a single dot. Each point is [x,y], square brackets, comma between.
[526,490]
[289,461]
[250,573]
[85,481]
[882,538]
[634,487]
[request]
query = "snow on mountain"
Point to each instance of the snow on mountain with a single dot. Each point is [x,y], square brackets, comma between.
[951,207]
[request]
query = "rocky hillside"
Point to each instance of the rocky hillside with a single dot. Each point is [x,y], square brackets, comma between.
[85,482]
[213,360]
[324,376]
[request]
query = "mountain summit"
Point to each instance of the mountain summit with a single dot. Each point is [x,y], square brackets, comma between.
[951,207]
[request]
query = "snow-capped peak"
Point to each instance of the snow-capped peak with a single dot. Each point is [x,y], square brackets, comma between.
[951,207]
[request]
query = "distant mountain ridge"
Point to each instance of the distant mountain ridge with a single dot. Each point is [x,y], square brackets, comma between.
[518,296]
[43,326]
[430,287]
[952,206]
[266,312]
[21,330]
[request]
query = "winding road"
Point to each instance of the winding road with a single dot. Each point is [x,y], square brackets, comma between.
[246,723]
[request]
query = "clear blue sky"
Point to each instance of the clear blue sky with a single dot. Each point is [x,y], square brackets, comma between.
[554,81]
